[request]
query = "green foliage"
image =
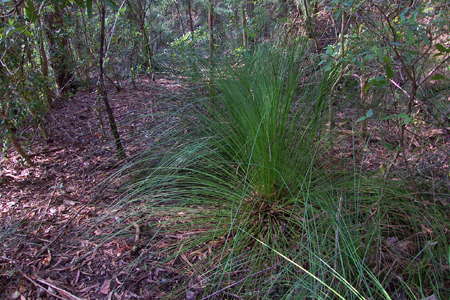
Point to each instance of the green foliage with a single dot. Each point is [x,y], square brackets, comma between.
[391,45]
[22,88]
[186,41]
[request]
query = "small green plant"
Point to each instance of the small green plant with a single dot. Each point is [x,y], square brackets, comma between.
[186,41]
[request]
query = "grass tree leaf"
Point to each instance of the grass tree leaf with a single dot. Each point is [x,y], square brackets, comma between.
[30,11]
[388,67]
[442,48]
[368,115]
[438,77]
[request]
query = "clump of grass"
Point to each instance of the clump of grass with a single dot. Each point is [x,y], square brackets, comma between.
[240,182]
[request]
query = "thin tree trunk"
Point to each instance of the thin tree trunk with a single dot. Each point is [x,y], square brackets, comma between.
[249,13]
[137,15]
[250,8]
[29,52]
[331,113]
[211,30]
[211,46]
[191,22]
[11,133]
[363,95]
[284,9]
[102,88]
[180,18]
[146,33]
[244,27]
[60,54]
[310,23]
[148,50]
[88,49]
[44,69]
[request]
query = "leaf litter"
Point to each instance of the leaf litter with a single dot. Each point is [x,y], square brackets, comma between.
[47,211]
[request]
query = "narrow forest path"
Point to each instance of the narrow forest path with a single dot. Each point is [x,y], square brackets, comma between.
[47,211]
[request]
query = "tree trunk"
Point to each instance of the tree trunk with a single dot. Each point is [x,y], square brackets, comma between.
[191,22]
[180,18]
[250,8]
[137,14]
[211,29]
[44,70]
[365,102]
[211,46]
[148,50]
[102,88]
[60,58]
[310,23]
[11,133]
[244,27]
[249,12]
[284,9]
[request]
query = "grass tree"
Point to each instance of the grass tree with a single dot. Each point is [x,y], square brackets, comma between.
[243,181]
[237,167]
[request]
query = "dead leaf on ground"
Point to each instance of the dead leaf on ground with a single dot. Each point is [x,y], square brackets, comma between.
[105,288]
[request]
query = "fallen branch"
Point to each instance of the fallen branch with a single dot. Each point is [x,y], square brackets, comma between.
[66,295]
[69,295]
[46,152]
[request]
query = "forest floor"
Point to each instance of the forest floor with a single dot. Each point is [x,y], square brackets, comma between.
[49,212]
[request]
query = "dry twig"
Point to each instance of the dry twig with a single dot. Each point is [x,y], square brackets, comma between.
[66,295]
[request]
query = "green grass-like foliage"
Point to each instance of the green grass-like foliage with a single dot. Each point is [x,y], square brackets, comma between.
[240,178]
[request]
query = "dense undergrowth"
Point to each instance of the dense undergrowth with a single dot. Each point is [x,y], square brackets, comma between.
[243,179]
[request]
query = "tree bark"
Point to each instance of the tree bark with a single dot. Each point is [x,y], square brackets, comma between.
[211,29]
[102,88]
[191,22]
[250,8]
[211,46]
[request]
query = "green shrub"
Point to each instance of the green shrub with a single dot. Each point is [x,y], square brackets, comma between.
[241,180]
